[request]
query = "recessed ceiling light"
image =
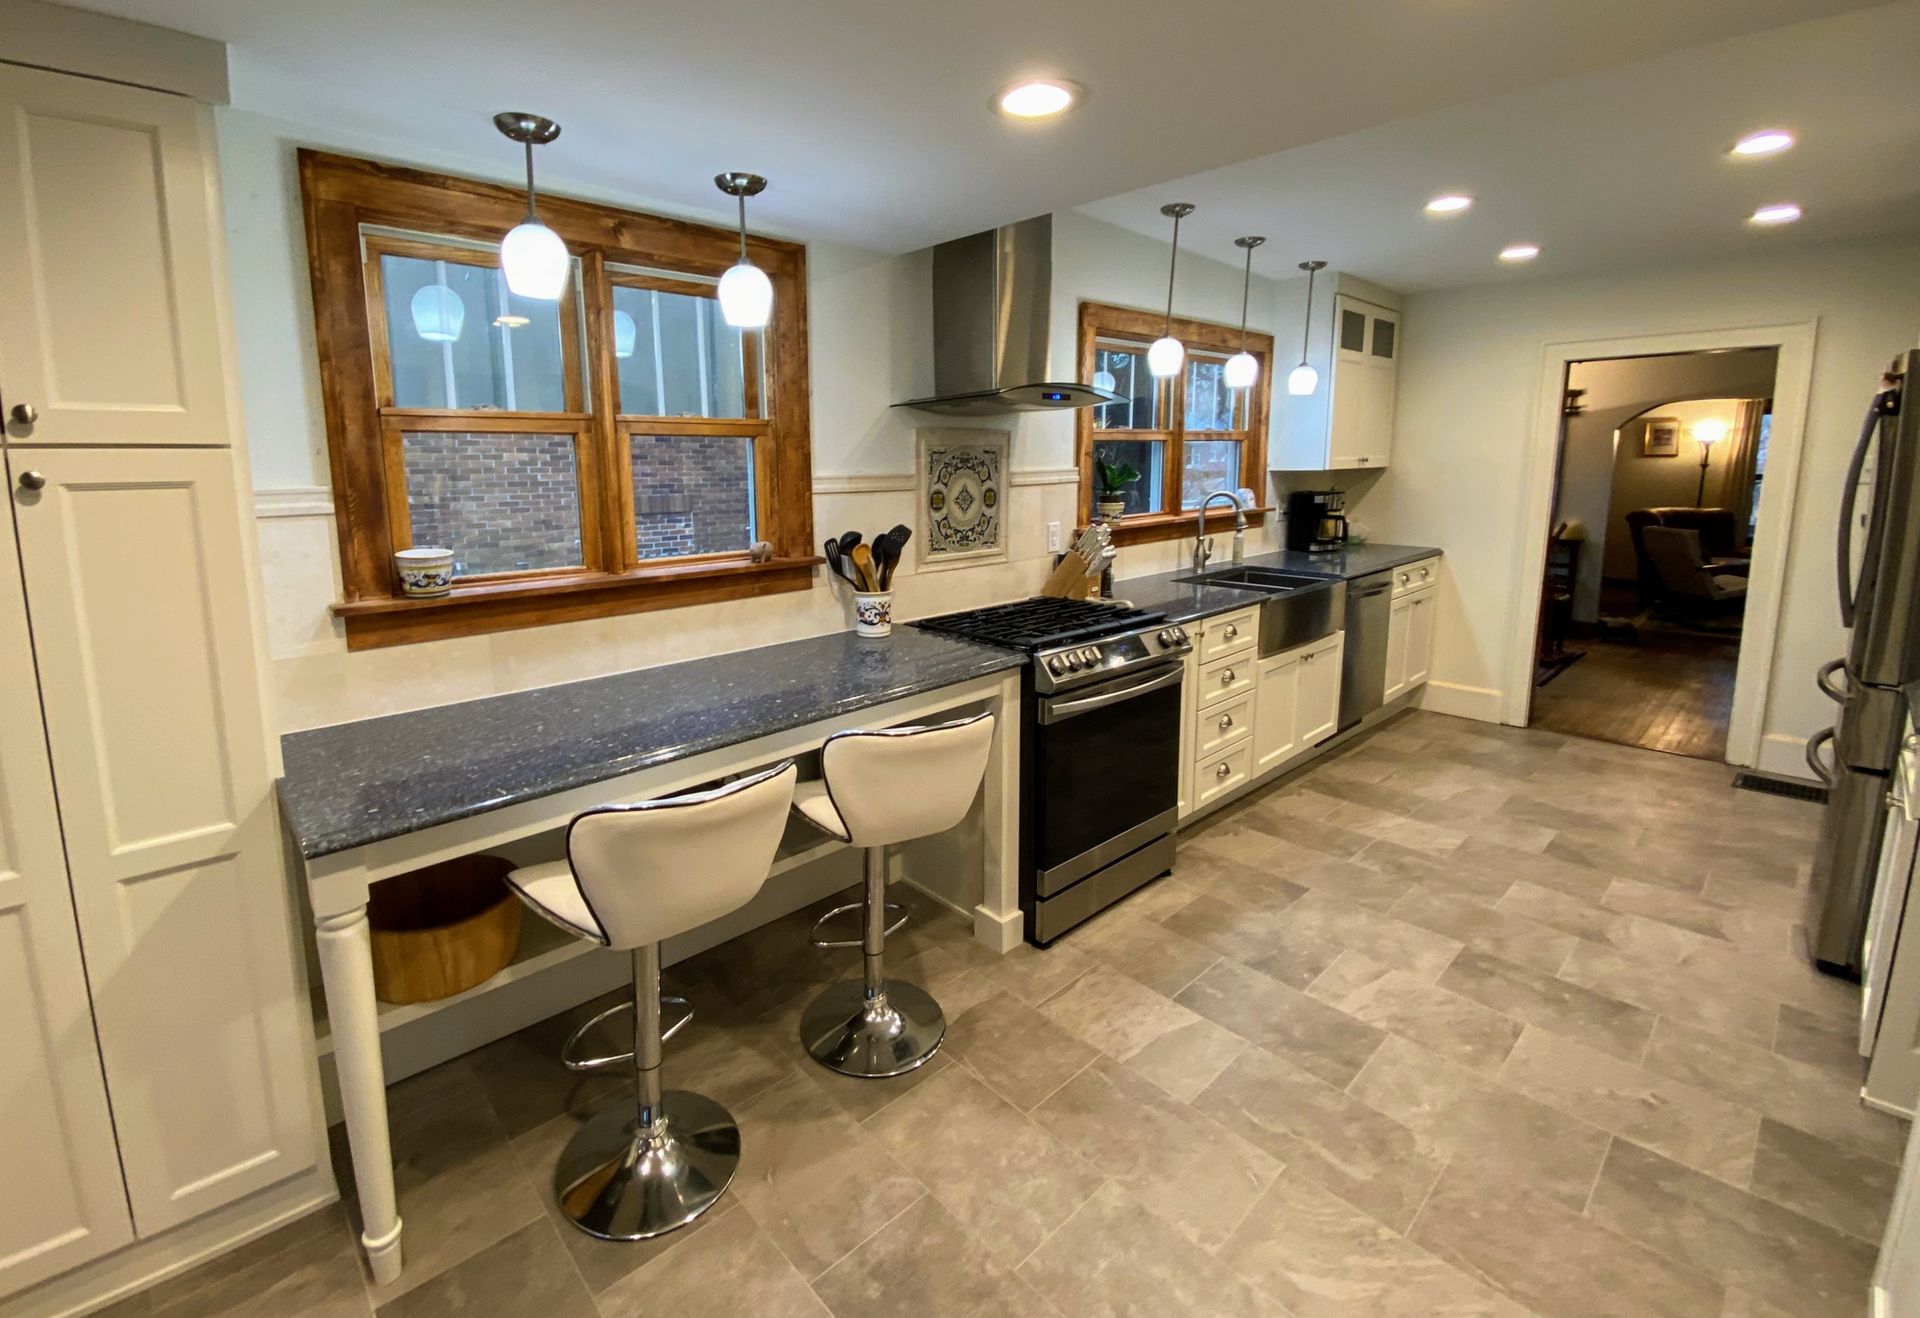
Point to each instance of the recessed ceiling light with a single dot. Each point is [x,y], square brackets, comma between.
[1766,142]
[1037,98]
[1519,252]
[1450,204]
[1783,213]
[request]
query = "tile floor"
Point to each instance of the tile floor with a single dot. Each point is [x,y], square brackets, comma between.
[1463,1021]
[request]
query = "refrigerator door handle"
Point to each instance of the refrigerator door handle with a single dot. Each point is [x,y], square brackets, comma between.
[1850,494]
[1814,762]
[1824,680]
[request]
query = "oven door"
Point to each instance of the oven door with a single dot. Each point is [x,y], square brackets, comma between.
[1106,778]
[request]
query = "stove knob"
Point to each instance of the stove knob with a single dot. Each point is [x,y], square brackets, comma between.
[1091,655]
[1072,661]
[1166,636]
[1056,665]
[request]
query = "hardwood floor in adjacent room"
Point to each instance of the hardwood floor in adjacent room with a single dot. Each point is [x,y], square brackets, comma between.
[1667,691]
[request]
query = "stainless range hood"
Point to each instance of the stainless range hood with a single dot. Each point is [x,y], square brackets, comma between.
[991,296]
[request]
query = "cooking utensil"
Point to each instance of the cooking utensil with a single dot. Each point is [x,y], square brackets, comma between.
[847,542]
[833,557]
[869,579]
[897,541]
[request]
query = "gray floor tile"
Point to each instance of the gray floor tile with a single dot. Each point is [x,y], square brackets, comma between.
[1021,1054]
[730,1270]
[1407,1005]
[1740,1238]
[1286,1022]
[1823,1180]
[529,1272]
[309,1266]
[1552,1003]
[924,1263]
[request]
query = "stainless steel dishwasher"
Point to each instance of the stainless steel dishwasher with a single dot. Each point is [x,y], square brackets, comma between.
[1363,671]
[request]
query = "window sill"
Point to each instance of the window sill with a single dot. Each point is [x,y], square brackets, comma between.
[1150,527]
[493,606]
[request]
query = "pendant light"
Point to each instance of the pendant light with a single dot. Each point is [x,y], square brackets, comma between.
[625,334]
[746,294]
[438,314]
[1167,352]
[532,256]
[1243,368]
[1303,379]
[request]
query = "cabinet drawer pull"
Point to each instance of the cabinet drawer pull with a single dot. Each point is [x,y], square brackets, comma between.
[1231,631]
[1226,721]
[1307,658]
[1226,677]
[1223,770]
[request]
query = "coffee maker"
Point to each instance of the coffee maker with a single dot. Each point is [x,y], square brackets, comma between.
[1317,521]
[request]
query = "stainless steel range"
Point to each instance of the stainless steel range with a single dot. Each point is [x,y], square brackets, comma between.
[1099,750]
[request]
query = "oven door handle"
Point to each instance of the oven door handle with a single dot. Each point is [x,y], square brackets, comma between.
[1058,711]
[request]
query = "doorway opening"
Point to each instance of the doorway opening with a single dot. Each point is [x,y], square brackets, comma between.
[1655,521]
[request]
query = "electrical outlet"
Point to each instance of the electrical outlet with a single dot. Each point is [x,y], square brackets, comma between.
[1053,537]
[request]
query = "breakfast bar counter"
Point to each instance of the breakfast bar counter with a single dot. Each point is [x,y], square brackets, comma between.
[368,801]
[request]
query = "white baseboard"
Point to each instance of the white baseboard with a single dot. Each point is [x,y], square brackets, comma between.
[1475,702]
[1002,933]
[1784,756]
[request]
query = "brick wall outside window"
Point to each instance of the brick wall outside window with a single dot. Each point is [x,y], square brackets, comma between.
[692,494]
[502,503]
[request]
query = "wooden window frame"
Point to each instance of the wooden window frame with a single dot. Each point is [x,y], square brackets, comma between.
[343,200]
[1129,325]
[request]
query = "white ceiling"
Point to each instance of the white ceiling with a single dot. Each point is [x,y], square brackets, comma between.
[871,116]
[1604,170]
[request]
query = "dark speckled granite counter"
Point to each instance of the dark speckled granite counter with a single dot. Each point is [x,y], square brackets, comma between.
[1183,601]
[355,783]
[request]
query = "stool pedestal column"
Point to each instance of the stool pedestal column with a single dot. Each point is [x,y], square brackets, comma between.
[877,1027]
[631,1173]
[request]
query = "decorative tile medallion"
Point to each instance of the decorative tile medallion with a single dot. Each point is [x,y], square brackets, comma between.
[963,489]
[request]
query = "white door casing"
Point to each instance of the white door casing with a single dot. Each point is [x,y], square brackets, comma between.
[61,1198]
[1792,382]
[115,323]
[136,589]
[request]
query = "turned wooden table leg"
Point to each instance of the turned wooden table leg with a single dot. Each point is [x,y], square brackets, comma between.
[346,972]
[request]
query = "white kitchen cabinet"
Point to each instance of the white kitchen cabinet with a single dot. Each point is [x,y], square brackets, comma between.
[114,329]
[1298,703]
[137,595]
[1409,641]
[153,1018]
[1351,428]
[61,1201]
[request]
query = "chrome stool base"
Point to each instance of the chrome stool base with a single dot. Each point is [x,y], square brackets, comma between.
[843,1032]
[612,1184]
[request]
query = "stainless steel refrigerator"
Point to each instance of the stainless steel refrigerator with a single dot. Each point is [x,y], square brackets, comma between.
[1879,581]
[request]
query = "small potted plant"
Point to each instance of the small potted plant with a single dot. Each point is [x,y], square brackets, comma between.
[1111,480]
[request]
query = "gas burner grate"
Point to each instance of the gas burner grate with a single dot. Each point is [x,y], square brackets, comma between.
[1041,622]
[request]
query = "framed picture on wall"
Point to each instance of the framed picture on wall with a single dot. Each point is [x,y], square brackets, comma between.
[963,488]
[1661,438]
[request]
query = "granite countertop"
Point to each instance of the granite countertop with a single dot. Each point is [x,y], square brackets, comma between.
[1184,601]
[356,783]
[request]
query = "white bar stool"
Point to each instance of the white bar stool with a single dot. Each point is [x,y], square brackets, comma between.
[878,788]
[634,876]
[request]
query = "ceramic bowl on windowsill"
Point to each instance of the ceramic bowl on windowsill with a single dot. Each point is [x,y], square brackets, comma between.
[425,572]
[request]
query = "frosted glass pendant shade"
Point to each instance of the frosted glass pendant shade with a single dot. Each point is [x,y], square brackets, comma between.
[534,261]
[624,334]
[1165,356]
[1104,380]
[1302,380]
[746,296]
[438,314]
[1241,370]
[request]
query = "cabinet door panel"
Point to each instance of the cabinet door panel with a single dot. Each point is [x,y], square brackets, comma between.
[1399,620]
[61,1198]
[114,320]
[1276,712]
[137,594]
[1319,710]
[1420,608]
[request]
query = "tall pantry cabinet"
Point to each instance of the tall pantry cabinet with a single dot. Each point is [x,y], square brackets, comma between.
[157,1053]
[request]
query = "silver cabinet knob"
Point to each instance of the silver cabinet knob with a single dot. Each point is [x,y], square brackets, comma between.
[24,414]
[1226,677]
[1226,721]
[1232,631]
[1222,770]
[32,480]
